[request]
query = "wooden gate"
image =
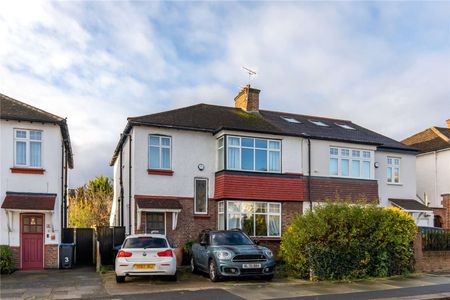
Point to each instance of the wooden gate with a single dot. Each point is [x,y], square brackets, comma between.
[108,238]
[83,238]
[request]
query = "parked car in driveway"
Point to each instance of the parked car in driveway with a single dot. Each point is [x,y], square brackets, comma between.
[230,253]
[144,255]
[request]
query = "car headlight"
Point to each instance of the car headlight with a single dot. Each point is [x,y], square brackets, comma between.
[268,253]
[223,254]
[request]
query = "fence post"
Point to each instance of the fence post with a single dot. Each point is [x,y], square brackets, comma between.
[98,257]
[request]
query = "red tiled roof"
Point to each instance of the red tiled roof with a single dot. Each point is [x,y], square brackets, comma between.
[431,139]
[143,202]
[30,201]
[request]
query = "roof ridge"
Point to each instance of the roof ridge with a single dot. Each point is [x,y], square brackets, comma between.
[440,134]
[305,116]
[32,107]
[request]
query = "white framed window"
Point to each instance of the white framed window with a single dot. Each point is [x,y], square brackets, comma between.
[393,169]
[353,163]
[28,148]
[159,152]
[256,219]
[253,154]
[220,153]
[201,196]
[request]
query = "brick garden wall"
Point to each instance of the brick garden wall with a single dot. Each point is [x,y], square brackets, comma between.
[430,261]
[16,256]
[51,260]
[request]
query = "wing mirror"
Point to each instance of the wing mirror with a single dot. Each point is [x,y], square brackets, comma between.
[203,243]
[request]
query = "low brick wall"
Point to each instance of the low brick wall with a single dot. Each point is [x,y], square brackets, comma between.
[51,260]
[430,261]
[16,256]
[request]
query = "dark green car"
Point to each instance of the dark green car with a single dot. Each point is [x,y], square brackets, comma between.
[230,253]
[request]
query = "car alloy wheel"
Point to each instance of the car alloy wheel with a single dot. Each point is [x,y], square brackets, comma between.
[213,274]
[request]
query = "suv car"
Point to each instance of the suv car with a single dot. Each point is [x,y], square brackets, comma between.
[230,253]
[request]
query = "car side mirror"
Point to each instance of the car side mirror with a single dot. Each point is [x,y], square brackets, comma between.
[174,245]
[256,242]
[203,243]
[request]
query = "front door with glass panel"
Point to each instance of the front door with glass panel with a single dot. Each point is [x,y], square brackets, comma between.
[155,221]
[32,241]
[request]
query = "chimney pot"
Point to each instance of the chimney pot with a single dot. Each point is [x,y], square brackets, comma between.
[448,123]
[247,99]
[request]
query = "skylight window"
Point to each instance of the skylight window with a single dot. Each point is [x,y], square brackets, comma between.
[290,120]
[318,123]
[345,126]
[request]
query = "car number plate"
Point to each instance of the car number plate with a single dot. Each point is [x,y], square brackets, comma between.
[144,266]
[251,266]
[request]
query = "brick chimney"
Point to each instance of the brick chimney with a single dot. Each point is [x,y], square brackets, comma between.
[247,99]
[448,123]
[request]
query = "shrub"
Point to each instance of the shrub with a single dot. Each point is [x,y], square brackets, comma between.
[342,241]
[6,260]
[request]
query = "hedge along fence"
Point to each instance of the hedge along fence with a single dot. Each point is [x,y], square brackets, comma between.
[347,241]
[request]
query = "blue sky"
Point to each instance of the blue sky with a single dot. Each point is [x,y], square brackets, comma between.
[383,65]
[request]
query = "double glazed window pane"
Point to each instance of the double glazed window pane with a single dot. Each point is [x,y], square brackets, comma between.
[159,152]
[344,167]
[35,154]
[247,158]
[201,196]
[334,166]
[355,168]
[233,158]
[21,153]
[274,225]
[154,157]
[389,174]
[261,160]
[366,169]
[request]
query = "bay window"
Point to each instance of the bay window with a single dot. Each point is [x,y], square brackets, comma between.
[251,154]
[258,219]
[159,152]
[352,163]
[27,148]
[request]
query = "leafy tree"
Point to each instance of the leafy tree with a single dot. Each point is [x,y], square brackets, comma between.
[90,204]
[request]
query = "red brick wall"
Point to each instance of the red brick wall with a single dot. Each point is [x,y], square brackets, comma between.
[444,211]
[16,257]
[430,261]
[327,188]
[51,260]
[260,187]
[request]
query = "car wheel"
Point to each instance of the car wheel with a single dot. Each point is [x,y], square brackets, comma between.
[213,272]
[120,279]
[194,268]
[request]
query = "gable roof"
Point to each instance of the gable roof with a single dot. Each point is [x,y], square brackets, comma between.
[431,139]
[12,109]
[214,118]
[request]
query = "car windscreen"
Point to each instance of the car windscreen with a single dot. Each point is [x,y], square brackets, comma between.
[145,242]
[230,238]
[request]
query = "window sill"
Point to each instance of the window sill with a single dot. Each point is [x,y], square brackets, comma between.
[393,183]
[20,170]
[201,216]
[160,172]
[267,238]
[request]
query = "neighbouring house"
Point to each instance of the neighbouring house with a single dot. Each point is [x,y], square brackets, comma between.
[34,159]
[209,166]
[433,170]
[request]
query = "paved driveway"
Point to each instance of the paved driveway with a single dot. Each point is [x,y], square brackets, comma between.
[52,284]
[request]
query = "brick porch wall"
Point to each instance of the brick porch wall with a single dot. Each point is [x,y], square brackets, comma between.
[16,256]
[51,260]
[444,211]
[328,188]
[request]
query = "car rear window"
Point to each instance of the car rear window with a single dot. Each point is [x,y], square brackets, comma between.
[230,238]
[145,242]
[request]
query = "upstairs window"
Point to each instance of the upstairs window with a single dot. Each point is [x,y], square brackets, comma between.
[353,163]
[159,152]
[27,148]
[253,154]
[393,170]
[201,196]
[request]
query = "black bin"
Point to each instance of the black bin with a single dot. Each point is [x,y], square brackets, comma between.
[66,255]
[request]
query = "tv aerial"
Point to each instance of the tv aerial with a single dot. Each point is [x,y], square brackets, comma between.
[250,73]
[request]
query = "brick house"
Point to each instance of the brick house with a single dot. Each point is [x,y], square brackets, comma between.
[433,170]
[35,156]
[209,166]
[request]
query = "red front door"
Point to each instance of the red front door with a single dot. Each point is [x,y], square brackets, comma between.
[32,241]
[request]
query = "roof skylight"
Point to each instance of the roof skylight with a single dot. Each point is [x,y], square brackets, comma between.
[318,123]
[290,120]
[345,126]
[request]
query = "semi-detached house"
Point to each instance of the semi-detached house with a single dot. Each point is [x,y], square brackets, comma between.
[208,166]
[34,160]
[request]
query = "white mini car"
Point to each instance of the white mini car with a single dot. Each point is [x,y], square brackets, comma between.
[145,254]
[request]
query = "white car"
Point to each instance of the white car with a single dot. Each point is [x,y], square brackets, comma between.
[146,254]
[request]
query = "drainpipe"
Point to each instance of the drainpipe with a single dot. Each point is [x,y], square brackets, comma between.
[62,188]
[121,189]
[309,174]
[65,189]
[129,187]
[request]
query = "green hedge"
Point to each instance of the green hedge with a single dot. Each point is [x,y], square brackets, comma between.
[345,241]
[6,260]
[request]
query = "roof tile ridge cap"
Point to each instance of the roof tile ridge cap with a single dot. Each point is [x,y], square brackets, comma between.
[32,107]
[305,116]
[440,134]
[166,111]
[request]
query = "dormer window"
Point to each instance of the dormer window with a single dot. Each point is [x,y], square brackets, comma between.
[27,148]
[318,123]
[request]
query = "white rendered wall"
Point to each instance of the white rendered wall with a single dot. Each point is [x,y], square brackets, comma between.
[49,182]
